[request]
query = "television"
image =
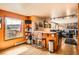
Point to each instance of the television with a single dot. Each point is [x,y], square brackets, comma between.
[28,21]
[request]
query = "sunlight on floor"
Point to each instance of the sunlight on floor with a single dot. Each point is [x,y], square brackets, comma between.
[16,50]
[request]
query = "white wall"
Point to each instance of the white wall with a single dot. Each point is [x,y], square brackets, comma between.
[36,19]
[63,21]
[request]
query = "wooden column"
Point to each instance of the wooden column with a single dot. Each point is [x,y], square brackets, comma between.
[78,27]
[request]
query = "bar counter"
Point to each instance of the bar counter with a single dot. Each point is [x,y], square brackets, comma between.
[49,36]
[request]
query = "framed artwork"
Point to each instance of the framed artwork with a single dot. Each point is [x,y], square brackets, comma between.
[0,22]
[40,24]
[36,26]
[49,25]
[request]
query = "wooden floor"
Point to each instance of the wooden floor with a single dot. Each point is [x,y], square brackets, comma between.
[24,49]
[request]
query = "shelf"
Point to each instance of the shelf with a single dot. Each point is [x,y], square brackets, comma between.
[28,31]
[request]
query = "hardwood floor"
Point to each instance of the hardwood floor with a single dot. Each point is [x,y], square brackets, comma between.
[24,49]
[67,49]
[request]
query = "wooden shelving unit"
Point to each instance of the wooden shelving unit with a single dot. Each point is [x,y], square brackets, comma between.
[28,30]
[28,33]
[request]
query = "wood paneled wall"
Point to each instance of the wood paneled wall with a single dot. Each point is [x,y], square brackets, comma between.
[5,44]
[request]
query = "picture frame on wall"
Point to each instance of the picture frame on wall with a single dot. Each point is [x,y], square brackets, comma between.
[36,26]
[49,25]
[0,22]
[46,25]
[40,24]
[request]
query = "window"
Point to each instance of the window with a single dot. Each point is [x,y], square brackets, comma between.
[13,28]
